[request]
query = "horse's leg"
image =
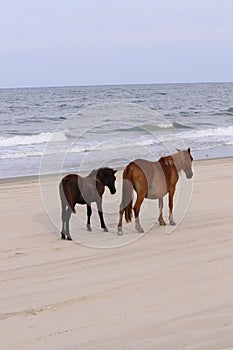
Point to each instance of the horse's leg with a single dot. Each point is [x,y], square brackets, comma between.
[171,195]
[89,212]
[119,227]
[63,218]
[101,216]
[161,221]
[136,209]
[68,215]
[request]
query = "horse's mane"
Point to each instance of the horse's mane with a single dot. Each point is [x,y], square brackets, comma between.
[178,158]
[101,171]
[175,159]
[168,160]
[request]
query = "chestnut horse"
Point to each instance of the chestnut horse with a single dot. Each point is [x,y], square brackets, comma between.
[152,180]
[74,189]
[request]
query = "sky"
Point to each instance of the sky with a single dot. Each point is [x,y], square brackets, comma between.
[106,42]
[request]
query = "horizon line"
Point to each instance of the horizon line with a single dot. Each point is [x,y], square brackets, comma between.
[114,84]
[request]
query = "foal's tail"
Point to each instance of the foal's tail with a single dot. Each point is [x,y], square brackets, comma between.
[66,193]
[127,193]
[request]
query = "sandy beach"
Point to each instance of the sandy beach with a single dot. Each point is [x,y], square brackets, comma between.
[163,291]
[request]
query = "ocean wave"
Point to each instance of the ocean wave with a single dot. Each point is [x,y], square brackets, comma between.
[18,140]
[162,126]
[229,111]
[224,112]
[112,146]
[205,133]
[21,146]
[76,148]
[181,126]
[130,128]
[21,154]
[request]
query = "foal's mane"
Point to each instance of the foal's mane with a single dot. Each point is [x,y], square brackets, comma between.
[101,172]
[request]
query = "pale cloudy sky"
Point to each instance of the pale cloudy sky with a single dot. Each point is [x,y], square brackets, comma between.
[91,42]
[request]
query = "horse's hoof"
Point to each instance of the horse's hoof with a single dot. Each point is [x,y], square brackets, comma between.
[63,236]
[172,223]
[162,223]
[119,231]
[105,229]
[69,238]
[140,230]
[89,228]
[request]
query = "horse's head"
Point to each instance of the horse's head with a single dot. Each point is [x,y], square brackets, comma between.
[187,163]
[183,161]
[108,178]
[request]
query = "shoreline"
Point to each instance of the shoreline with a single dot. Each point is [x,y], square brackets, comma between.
[37,177]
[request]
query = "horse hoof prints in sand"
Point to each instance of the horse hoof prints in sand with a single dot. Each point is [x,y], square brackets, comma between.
[75,189]
[152,180]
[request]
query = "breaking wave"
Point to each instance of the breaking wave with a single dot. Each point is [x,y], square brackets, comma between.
[18,140]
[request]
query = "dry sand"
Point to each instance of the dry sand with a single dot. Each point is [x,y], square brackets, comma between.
[164,291]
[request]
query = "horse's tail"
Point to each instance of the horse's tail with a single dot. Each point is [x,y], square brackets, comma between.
[127,193]
[66,193]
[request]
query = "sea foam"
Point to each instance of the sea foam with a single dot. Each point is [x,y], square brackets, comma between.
[32,139]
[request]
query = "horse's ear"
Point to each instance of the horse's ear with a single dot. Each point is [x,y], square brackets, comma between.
[114,171]
[189,151]
[178,150]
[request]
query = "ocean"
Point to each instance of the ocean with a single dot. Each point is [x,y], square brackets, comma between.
[75,129]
